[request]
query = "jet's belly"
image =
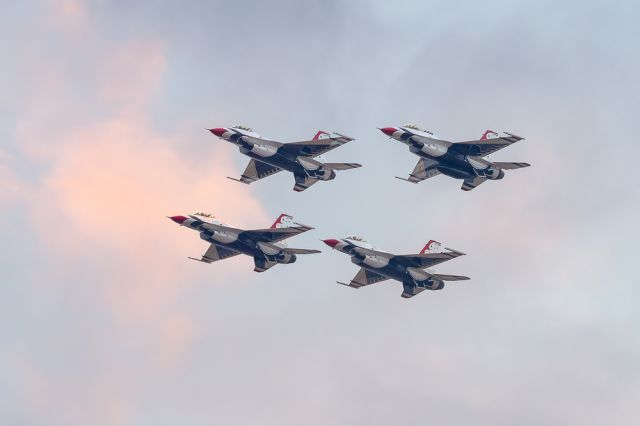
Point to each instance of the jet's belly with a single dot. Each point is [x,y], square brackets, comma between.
[451,165]
[276,160]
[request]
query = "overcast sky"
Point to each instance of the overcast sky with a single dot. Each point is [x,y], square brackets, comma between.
[104,321]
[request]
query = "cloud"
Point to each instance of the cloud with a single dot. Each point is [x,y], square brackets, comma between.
[102,181]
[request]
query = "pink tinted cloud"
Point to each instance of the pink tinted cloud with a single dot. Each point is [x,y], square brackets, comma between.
[11,187]
[71,15]
[110,190]
[99,210]
[109,179]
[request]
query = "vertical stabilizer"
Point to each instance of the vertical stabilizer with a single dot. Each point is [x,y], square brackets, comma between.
[432,246]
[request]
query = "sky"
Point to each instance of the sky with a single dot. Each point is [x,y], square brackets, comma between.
[104,320]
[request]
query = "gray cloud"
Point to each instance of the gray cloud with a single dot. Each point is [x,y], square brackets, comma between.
[544,333]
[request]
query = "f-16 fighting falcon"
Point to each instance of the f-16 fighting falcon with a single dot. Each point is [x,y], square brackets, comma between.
[269,157]
[261,244]
[377,266]
[460,160]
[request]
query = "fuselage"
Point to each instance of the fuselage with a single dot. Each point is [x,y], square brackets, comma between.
[386,264]
[450,163]
[235,239]
[267,151]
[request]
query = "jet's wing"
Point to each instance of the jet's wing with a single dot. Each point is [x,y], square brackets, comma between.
[482,148]
[469,184]
[274,234]
[365,277]
[215,253]
[425,169]
[425,260]
[257,170]
[314,148]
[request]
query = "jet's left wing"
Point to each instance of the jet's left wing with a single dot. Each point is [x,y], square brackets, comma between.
[365,277]
[425,169]
[484,147]
[313,148]
[274,234]
[257,170]
[425,260]
[214,253]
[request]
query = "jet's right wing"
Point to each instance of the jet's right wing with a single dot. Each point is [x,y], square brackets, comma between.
[272,235]
[214,253]
[425,260]
[315,147]
[365,277]
[484,147]
[425,169]
[256,170]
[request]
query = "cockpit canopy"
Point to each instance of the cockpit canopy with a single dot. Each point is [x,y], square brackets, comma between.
[245,128]
[356,238]
[202,214]
[414,127]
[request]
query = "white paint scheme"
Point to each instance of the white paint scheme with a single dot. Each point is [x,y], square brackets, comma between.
[359,242]
[432,246]
[264,150]
[433,148]
[244,130]
[207,218]
[375,260]
[223,236]
[309,163]
[418,274]
[478,163]
[269,249]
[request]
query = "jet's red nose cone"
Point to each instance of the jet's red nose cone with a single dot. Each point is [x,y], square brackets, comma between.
[331,242]
[178,219]
[218,131]
[389,131]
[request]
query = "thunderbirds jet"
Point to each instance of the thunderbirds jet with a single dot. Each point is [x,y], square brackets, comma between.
[269,157]
[261,244]
[460,160]
[377,266]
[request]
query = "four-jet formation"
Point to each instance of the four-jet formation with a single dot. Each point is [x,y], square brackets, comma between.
[269,157]
[459,160]
[261,244]
[409,269]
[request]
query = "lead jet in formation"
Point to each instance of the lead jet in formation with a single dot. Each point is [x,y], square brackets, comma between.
[377,266]
[460,160]
[269,157]
[261,244]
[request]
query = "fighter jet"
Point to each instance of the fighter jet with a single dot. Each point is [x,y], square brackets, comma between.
[269,157]
[377,266]
[261,244]
[460,160]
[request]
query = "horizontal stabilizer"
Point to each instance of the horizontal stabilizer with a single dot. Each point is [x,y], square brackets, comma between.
[511,166]
[342,166]
[301,251]
[238,180]
[450,277]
